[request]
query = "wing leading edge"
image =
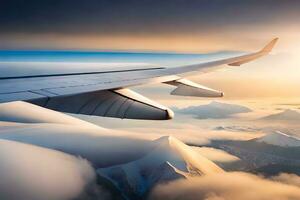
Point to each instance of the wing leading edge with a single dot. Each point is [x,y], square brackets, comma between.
[105,94]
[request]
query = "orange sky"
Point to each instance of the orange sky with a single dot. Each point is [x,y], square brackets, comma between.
[275,75]
[172,26]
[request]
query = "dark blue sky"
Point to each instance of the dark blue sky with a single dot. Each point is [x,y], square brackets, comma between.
[143,24]
[138,16]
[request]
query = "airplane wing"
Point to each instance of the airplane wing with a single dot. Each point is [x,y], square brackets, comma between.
[95,91]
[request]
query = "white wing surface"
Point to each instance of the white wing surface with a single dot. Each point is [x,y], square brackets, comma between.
[100,90]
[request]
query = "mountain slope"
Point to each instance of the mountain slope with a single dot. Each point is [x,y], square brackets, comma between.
[168,160]
[275,152]
[280,139]
[214,110]
[287,115]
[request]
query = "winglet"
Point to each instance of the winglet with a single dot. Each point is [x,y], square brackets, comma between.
[268,48]
[233,61]
[247,58]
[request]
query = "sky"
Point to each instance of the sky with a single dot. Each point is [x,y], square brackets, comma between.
[194,26]
[172,25]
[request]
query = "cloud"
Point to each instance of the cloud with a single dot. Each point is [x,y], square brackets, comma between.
[23,112]
[195,135]
[27,123]
[226,186]
[291,179]
[92,144]
[31,172]
[50,129]
[216,155]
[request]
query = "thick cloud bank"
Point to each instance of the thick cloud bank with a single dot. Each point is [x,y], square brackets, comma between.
[291,179]
[216,155]
[35,173]
[23,112]
[214,110]
[102,148]
[27,123]
[226,186]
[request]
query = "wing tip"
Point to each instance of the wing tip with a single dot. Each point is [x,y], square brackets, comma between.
[268,48]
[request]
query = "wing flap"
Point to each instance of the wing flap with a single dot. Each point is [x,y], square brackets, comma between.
[120,103]
[189,88]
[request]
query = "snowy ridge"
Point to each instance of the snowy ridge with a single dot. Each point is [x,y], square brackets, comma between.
[280,139]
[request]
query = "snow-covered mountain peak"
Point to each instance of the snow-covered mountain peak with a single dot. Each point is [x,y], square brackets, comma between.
[214,110]
[286,115]
[167,160]
[290,111]
[181,156]
[280,139]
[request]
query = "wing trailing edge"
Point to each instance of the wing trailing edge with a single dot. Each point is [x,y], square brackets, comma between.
[120,103]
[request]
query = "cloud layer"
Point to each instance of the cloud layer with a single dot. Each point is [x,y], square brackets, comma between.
[30,172]
[226,186]
[290,179]
[23,112]
[90,143]
[216,155]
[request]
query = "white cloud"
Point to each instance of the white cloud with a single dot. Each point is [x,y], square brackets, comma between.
[100,146]
[216,155]
[291,179]
[23,112]
[196,135]
[35,173]
[226,186]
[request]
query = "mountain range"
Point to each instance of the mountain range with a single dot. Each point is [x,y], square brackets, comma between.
[272,151]
[214,110]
